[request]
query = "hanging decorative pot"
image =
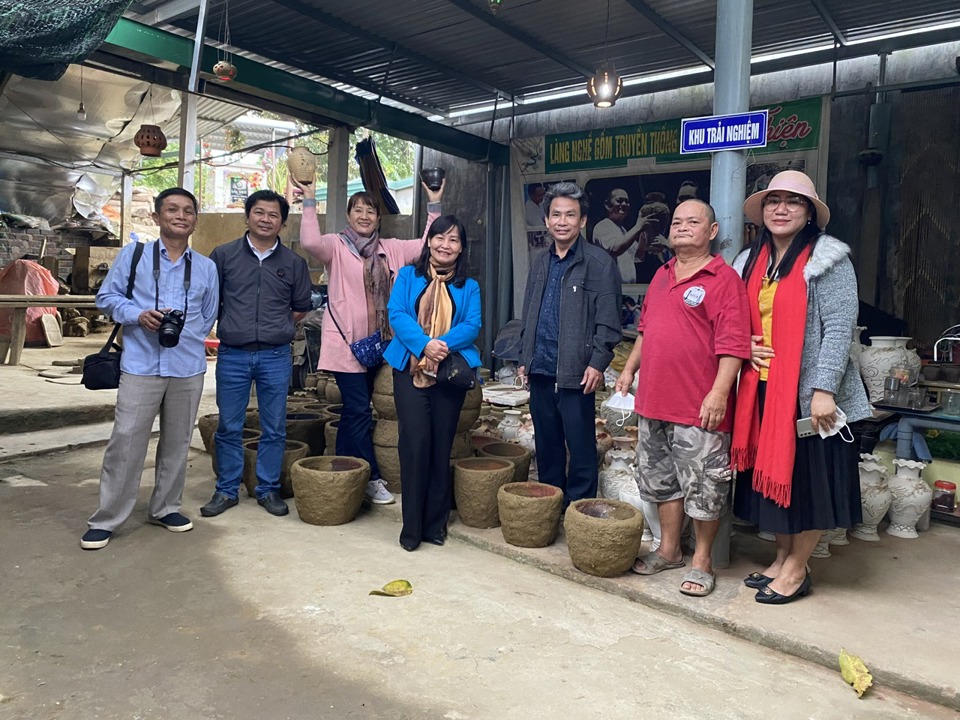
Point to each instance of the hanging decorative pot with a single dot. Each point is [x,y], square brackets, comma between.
[151,140]
[225,71]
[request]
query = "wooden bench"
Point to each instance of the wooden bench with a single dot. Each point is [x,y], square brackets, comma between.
[18,324]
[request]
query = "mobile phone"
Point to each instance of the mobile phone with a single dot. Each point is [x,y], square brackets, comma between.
[805,427]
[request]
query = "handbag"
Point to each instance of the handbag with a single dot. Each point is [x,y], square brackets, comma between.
[368,351]
[455,370]
[101,371]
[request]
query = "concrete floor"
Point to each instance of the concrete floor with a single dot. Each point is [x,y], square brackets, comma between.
[251,616]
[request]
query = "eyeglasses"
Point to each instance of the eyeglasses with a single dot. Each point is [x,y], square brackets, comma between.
[793,203]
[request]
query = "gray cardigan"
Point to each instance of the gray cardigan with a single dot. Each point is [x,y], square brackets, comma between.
[832,307]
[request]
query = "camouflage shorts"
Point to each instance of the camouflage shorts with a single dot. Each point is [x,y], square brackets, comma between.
[684,461]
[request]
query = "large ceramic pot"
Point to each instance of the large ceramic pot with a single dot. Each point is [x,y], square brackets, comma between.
[302,165]
[332,393]
[519,456]
[293,451]
[603,536]
[911,498]
[875,497]
[330,437]
[329,490]
[480,440]
[885,352]
[462,446]
[307,428]
[476,482]
[386,436]
[529,513]
[245,434]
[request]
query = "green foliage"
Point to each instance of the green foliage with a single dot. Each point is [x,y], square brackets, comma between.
[158,180]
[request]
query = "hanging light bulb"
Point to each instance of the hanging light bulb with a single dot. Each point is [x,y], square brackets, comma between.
[605,87]
[494,5]
[81,111]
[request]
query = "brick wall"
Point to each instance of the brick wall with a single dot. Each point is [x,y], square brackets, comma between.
[17,242]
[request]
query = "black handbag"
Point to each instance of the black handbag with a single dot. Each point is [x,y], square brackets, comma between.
[101,371]
[455,370]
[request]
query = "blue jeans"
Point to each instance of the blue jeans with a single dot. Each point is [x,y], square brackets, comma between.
[236,368]
[355,432]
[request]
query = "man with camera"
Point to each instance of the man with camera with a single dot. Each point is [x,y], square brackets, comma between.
[172,307]
[264,290]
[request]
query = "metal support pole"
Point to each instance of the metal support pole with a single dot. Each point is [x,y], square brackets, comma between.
[505,276]
[126,207]
[489,267]
[728,172]
[338,160]
[188,108]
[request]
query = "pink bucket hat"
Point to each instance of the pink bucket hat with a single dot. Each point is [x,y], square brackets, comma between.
[789,181]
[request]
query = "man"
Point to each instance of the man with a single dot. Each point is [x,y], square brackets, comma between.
[264,291]
[532,209]
[688,191]
[693,334]
[613,236]
[571,323]
[653,248]
[165,378]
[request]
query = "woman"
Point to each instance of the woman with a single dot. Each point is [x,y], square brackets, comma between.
[361,267]
[803,305]
[434,311]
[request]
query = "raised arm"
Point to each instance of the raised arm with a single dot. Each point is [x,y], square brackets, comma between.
[412,248]
[319,245]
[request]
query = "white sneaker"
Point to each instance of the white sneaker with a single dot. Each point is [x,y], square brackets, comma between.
[378,494]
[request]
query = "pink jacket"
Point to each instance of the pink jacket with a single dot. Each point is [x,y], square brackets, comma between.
[345,286]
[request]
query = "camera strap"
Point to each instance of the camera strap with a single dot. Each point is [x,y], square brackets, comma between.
[156,278]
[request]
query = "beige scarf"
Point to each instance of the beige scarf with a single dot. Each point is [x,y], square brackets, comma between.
[435,317]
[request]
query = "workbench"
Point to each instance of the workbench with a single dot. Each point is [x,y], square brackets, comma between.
[18,324]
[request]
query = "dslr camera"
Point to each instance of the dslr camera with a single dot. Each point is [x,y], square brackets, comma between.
[171,325]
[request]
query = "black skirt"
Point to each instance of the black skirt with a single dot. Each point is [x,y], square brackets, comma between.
[824,494]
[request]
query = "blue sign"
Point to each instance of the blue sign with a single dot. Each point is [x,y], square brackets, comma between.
[723,132]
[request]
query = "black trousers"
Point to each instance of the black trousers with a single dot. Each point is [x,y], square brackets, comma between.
[428,423]
[564,419]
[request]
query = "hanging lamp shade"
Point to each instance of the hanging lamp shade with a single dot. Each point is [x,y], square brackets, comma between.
[494,5]
[605,87]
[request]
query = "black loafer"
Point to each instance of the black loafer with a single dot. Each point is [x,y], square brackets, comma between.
[273,504]
[409,547]
[768,596]
[218,504]
[756,580]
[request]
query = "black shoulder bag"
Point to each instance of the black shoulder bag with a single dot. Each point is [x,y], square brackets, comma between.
[101,371]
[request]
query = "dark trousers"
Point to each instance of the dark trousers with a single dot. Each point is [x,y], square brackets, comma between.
[564,420]
[355,432]
[428,422]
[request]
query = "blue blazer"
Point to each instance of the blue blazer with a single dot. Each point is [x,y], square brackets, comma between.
[409,338]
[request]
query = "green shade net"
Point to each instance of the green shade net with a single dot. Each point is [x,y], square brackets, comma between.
[40,38]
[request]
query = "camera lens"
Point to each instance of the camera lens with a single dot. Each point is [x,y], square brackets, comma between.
[170,326]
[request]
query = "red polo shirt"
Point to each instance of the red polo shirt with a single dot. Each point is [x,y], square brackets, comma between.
[686,326]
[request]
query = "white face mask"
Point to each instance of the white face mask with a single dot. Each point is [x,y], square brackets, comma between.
[623,403]
[838,427]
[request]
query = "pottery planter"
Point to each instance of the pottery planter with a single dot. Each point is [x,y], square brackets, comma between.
[293,451]
[385,406]
[519,456]
[245,434]
[462,446]
[207,425]
[603,536]
[252,419]
[330,437]
[885,352]
[529,513]
[329,490]
[386,433]
[910,498]
[476,482]
[332,393]
[307,428]
[479,440]
[875,497]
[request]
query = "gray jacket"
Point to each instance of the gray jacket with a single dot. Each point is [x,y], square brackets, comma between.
[832,307]
[589,312]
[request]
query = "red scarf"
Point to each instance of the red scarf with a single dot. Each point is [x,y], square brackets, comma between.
[770,447]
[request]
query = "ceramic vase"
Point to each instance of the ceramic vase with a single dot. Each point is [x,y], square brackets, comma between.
[525,435]
[911,497]
[509,427]
[822,550]
[885,352]
[618,480]
[874,497]
[302,165]
[837,536]
[856,347]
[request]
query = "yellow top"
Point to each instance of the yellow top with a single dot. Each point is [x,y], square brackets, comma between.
[767,291]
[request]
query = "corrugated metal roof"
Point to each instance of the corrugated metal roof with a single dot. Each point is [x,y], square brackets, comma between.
[437,55]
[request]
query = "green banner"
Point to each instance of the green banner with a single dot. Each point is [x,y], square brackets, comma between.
[792,126]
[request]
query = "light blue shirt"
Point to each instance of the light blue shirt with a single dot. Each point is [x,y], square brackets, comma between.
[142,352]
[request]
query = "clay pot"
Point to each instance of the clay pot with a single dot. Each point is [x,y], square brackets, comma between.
[207,425]
[386,433]
[252,419]
[151,140]
[311,382]
[330,437]
[321,389]
[480,441]
[603,536]
[509,427]
[473,398]
[225,71]
[462,446]
[307,428]
[245,434]
[333,409]
[519,456]
[383,401]
[329,490]
[433,177]
[332,393]
[302,165]
[293,451]
[314,407]
[388,460]
[476,482]
[529,513]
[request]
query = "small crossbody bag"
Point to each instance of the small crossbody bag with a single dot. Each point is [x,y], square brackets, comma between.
[368,351]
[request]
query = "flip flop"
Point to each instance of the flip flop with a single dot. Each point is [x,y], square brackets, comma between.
[698,577]
[654,563]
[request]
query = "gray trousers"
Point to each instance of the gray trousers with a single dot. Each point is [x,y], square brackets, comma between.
[139,399]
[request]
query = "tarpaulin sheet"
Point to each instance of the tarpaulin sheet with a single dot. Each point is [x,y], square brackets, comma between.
[25,277]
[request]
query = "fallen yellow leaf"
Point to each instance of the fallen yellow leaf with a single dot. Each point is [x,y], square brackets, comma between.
[854,672]
[397,588]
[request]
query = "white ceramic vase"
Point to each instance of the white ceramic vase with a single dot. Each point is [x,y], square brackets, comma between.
[884,352]
[837,536]
[618,480]
[856,347]
[874,497]
[911,497]
[822,550]
[509,427]
[525,434]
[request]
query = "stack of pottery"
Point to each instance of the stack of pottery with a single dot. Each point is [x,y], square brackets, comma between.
[875,497]
[603,536]
[469,414]
[476,482]
[330,437]
[383,394]
[518,456]
[910,498]
[293,451]
[329,490]
[884,353]
[386,437]
[207,425]
[529,513]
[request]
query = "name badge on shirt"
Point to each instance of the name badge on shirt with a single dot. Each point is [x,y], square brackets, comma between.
[694,296]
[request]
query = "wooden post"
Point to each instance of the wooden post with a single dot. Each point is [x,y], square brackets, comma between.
[18,335]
